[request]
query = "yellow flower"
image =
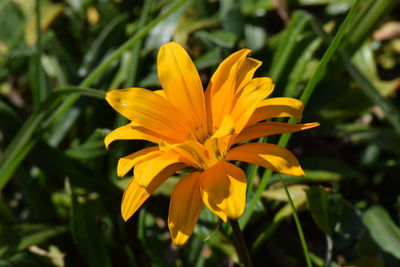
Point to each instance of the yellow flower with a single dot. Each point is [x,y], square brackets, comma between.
[203,131]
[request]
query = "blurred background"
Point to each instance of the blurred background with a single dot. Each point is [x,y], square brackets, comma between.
[60,197]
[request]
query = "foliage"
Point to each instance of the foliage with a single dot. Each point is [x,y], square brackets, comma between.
[60,197]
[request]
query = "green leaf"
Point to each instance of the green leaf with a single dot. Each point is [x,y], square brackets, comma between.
[385,138]
[10,121]
[87,235]
[321,169]
[255,37]
[93,147]
[390,110]
[221,38]
[317,199]
[287,44]
[383,230]
[25,139]
[22,259]
[20,237]
[306,94]
[6,215]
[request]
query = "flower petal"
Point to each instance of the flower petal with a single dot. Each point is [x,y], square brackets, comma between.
[219,76]
[269,156]
[151,111]
[126,163]
[146,171]
[277,107]
[184,208]
[193,153]
[246,71]
[270,128]
[182,85]
[223,190]
[221,89]
[227,127]
[130,132]
[135,195]
[249,98]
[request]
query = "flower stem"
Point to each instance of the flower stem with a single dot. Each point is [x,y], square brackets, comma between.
[240,244]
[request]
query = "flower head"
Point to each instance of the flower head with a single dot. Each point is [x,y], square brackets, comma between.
[203,130]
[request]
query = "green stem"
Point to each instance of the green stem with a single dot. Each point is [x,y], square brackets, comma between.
[298,226]
[240,244]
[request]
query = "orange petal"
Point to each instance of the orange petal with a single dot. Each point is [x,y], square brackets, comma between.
[184,208]
[135,195]
[126,163]
[193,153]
[277,107]
[227,127]
[145,171]
[249,98]
[223,190]
[269,156]
[246,71]
[151,111]
[221,89]
[130,132]
[225,67]
[182,85]
[270,128]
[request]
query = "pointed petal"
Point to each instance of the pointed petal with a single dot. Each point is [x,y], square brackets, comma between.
[219,76]
[223,190]
[182,85]
[249,98]
[184,208]
[145,171]
[246,71]
[270,128]
[277,107]
[221,89]
[126,163]
[151,111]
[130,132]
[193,153]
[135,195]
[269,156]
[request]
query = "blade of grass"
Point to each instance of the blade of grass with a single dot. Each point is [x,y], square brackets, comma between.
[391,112]
[281,58]
[22,143]
[298,226]
[90,58]
[128,68]
[287,45]
[135,51]
[365,23]
[25,140]
[95,74]
[298,70]
[284,139]
[39,91]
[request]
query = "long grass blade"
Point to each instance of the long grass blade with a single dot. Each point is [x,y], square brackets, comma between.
[306,94]
[391,112]
[24,140]
[298,226]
